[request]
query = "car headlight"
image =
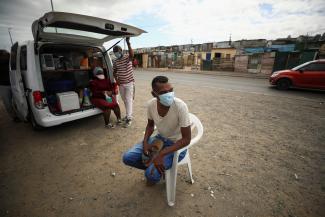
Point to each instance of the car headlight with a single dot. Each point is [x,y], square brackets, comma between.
[275,74]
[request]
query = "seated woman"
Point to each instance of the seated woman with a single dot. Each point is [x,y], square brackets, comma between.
[103,96]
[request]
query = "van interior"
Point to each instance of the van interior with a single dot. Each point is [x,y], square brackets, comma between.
[66,73]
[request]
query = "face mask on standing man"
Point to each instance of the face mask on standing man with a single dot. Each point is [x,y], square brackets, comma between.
[118,54]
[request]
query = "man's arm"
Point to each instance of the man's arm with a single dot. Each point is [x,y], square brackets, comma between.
[179,144]
[149,130]
[131,53]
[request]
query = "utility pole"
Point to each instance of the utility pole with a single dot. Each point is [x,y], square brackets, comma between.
[305,41]
[10,36]
[52,5]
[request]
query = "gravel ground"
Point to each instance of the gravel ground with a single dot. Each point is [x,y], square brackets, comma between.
[260,156]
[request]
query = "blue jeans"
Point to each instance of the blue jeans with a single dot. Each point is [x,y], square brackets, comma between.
[133,158]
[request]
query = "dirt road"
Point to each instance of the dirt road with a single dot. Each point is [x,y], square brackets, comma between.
[261,155]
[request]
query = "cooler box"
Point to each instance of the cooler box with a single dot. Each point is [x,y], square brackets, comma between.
[68,101]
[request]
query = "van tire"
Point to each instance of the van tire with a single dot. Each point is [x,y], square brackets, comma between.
[283,84]
[35,125]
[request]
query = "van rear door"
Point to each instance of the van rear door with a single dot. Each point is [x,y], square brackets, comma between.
[19,101]
[68,27]
[5,89]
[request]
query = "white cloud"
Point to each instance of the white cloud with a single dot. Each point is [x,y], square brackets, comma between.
[211,20]
[200,20]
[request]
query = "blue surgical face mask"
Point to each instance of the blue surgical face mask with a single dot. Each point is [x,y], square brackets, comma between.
[118,55]
[167,99]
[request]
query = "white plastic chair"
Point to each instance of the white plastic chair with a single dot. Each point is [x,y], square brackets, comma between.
[171,174]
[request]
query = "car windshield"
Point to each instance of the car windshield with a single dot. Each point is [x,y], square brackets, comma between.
[74,32]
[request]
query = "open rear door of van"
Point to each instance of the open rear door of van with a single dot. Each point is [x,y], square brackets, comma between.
[5,89]
[68,27]
[19,101]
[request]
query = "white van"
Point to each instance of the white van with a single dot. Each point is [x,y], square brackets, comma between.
[55,68]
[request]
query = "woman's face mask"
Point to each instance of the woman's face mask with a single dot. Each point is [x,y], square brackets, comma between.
[167,99]
[118,54]
[100,76]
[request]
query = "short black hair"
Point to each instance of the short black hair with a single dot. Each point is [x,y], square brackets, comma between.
[158,79]
[116,48]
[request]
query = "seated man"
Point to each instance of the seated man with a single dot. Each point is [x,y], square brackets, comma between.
[171,117]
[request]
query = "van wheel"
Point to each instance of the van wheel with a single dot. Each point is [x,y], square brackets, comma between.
[283,84]
[35,125]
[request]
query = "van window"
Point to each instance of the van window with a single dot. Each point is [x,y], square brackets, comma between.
[13,56]
[23,58]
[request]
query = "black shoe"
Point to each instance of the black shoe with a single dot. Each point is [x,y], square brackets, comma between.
[127,123]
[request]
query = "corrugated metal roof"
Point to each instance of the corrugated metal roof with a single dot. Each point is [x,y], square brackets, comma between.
[283,48]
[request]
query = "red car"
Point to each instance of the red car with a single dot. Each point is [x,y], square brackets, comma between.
[308,75]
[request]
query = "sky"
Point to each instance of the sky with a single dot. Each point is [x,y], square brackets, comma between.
[170,22]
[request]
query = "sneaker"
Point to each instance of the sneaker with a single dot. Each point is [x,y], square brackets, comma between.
[109,125]
[127,123]
[119,122]
[124,119]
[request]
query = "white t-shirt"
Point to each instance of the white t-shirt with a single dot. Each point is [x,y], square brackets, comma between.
[170,125]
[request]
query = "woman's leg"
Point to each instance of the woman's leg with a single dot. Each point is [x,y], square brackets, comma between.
[117,112]
[107,114]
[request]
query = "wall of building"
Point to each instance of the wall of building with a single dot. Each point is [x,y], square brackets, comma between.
[244,56]
[144,60]
[257,63]
[267,63]
[241,63]
[199,57]
[224,52]
[188,58]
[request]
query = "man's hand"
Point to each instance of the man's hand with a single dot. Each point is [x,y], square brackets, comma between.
[146,148]
[158,162]
[131,54]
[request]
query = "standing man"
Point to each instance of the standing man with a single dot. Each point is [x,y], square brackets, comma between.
[123,74]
